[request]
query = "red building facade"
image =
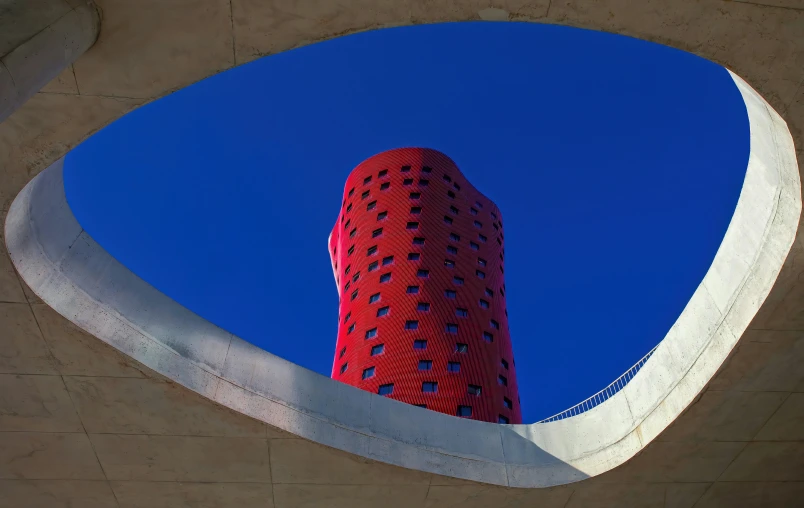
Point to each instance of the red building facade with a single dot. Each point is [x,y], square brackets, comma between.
[418,256]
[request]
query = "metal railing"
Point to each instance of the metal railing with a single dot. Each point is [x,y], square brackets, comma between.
[604,394]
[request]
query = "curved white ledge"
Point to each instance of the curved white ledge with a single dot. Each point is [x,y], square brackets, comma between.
[75,276]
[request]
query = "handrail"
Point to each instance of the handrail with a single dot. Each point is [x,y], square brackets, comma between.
[604,394]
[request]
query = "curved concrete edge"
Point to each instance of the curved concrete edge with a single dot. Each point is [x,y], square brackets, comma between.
[75,276]
[47,48]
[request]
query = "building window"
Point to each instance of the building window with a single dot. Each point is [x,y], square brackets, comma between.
[346,287]
[413,256]
[504,363]
[457,187]
[407,181]
[357,276]
[426,169]
[371,206]
[449,293]
[386,277]
[386,389]
[449,263]
[453,210]
[493,215]
[377,232]
[367,373]
[374,298]
[377,350]
[415,210]
[415,195]
[382,216]
[429,387]
[458,280]
[489,293]
[373,266]
[454,237]
[405,169]
[383,311]
[343,352]
[412,290]
[351,191]
[385,186]
[352,233]
[452,250]
[480,274]
[478,204]
[346,226]
[370,334]
[478,224]
[418,240]
[382,173]
[473,211]
[351,328]
[364,195]
[423,182]
[348,315]
[451,194]
[451,328]
[354,294]
[349,208]
[448,219]
[423,273]
[482,238]
[419,344]
[453,367]
[488,337]
[461,348]
[499,241]
[447,178]
[412,225]
[344,367]
[507,403]
[371,250]
[367,180]
[502,380]
[350,251]
[461,312]
[484,304]
[464,411]
[423,306]
[473,390]
[474,246]
[423,406]
[425,364]
[502,419]
[495,324]
[481,261]
[411,325]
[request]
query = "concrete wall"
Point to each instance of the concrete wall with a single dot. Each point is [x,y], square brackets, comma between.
[75,276]
[38,40]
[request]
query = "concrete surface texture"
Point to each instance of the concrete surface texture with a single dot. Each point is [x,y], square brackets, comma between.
[738,444]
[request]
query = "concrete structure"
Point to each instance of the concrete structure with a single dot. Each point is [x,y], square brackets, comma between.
[418,258]
[111,422]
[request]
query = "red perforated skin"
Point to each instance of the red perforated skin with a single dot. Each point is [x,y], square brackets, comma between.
[398,364]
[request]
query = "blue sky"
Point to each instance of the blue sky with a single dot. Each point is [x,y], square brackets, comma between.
[617,164]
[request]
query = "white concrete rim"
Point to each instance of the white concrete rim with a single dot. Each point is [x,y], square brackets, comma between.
[70,272]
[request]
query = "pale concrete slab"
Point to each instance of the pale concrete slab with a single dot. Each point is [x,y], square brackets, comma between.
[47,456]
[56,494]
[77,353]
[154,407]
[764,360]
[22,350]
[36,404]
[193,495]
[10,288]
[647,495]
[63,83]
[183,458]
[483,496]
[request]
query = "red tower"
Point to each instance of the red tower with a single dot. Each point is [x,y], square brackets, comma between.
[418,257]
